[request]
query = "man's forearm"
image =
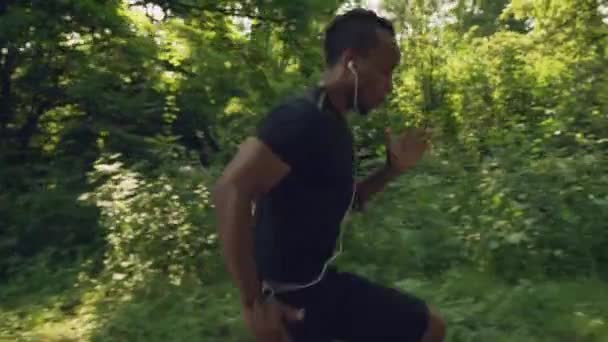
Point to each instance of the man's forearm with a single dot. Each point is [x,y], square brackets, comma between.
[373,184]
[235,231]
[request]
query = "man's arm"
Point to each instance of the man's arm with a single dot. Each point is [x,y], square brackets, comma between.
[402,153]
[374,183]
[252,172]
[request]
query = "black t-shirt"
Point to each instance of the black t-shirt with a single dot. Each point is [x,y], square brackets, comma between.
[298,222]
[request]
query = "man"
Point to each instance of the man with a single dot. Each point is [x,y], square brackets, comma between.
[298,170]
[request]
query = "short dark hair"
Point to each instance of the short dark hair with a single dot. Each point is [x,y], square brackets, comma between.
[356,29]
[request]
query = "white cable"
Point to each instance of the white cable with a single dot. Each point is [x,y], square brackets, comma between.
[356,99]
[281,288]
[273,289]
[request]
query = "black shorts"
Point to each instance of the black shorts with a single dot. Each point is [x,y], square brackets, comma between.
[347,307]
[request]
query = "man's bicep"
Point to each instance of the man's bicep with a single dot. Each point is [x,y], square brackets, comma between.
[255,168]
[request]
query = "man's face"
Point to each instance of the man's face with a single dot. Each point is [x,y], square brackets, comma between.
[375,71]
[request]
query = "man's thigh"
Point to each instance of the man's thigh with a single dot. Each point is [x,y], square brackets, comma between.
[319,314]
[350,308]
[373,312]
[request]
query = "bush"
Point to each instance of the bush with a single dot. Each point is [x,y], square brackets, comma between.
[155,221]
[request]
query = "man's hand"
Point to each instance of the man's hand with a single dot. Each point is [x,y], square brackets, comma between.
[405,150]
[266,320]
[402,153]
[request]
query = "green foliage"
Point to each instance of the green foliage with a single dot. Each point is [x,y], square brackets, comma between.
[521,154]
[154,224]
[108,108]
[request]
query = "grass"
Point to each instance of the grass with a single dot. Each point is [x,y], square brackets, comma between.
[68,303]
[477,307]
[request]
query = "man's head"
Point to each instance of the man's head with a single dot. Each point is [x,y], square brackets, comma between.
[360,49]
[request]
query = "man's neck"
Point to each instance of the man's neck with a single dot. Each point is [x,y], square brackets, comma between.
[337,97]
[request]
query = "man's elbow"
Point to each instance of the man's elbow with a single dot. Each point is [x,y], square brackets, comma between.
[227,195]
[220,192]
[216,191]
[220,199]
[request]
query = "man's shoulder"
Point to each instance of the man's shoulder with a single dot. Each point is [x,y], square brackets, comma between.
[293,128]
[298,106]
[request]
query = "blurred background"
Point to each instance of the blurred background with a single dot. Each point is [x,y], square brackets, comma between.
[117,116]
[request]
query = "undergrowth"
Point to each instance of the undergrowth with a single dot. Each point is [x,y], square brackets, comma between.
[156,282]
[69,305]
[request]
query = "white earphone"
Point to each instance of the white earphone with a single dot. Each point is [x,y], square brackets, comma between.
[351,67]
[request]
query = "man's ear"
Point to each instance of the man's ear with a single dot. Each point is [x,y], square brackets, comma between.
[347,56]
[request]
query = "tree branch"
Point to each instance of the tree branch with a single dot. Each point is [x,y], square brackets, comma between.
[7,68]
[233,12]
[216,9]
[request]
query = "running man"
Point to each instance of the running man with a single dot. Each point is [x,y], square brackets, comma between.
[298,170]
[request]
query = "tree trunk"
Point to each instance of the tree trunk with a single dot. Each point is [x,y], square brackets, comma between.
[6,102]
